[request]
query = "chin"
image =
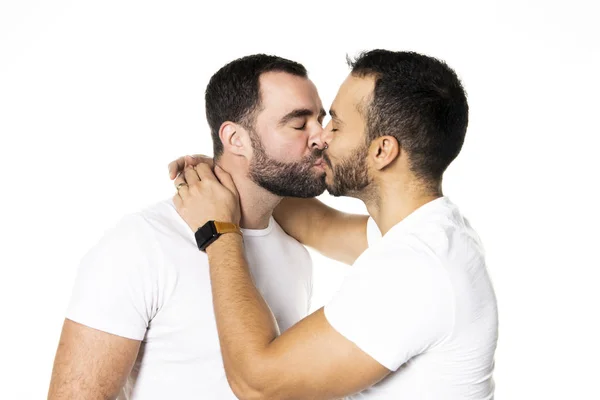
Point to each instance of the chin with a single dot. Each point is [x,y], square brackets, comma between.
[333,192]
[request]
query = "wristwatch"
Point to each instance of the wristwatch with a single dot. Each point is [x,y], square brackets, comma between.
[212,230]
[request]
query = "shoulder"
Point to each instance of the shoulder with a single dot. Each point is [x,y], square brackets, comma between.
[163,217]
[127,232]
[130,243]
[439,236]
[407,260]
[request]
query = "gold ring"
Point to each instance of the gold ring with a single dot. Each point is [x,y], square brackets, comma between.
[180,185]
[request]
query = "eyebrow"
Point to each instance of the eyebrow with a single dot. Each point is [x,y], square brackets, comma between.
[301,112]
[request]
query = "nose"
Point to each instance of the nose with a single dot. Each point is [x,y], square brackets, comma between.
[315,140]
[327,135]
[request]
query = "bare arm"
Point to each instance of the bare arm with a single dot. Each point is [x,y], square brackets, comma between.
[311,360]
[317,362]
[333,233]
[90,364]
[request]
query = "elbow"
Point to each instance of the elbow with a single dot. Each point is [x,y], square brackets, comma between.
[252,383]
[244,390]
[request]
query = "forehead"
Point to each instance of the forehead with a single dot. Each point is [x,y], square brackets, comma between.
[354,93]
[282,92]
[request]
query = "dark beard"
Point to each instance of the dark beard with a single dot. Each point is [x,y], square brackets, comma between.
[296,179]
[350,176]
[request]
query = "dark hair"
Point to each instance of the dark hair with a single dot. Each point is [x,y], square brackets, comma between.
[420,101]
[233,93]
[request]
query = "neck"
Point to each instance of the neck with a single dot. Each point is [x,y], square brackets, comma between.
[257,204]
[395,200]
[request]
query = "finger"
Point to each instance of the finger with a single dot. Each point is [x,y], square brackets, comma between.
[181,184]
[175,167]
[205,173]
[179,179]
[226,180]
[191,177]
[177,201]
[204,159]
[198,159]
[191,161]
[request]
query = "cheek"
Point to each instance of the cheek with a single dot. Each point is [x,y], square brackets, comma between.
[280,145]
[289,149]
[344,147]
[336,152]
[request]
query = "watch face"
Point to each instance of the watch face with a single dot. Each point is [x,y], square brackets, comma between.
[206,235]
[208,230]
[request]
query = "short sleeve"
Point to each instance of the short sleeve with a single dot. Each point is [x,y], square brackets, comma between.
[373,232]
[114,290]
[394,305]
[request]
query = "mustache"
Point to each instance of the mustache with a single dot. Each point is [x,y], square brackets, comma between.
[314,156]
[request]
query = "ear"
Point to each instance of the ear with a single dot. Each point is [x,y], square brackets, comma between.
[235,139]
[385,150]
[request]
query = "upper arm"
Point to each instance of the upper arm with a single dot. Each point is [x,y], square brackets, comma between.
[335,234]
[113,300]
[319,363]
[91,364]
[115,288]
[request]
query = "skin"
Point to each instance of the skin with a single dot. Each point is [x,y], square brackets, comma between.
[319,363]
[292,141]
[320,227]
[92,364]
[297,137]
[309,221]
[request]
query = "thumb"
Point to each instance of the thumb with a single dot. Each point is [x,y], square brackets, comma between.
[226,180]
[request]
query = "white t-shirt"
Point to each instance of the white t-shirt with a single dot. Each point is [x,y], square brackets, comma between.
[146,280]
[420,302]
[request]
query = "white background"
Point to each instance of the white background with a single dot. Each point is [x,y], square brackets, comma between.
[97,97]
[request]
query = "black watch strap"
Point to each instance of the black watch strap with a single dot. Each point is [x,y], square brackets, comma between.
[212,230]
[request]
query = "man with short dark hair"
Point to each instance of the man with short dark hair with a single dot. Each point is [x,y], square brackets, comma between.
[416,318]
[140,324]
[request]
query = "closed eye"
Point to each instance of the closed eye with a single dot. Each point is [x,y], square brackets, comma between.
[300,128]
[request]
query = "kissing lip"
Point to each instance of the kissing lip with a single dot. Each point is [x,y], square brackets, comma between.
[319,162]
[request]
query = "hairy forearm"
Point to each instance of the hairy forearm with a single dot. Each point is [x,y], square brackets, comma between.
[69,390]
[333,233]
[245,323]
[300,218]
